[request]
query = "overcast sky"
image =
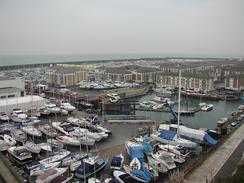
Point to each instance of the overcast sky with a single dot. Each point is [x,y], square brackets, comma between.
[167,27]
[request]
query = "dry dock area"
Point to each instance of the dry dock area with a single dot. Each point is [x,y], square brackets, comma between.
[212,165]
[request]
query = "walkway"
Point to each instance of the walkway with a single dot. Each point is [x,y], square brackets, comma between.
[212,165]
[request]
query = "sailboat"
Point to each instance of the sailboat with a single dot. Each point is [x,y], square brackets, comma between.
[171,137]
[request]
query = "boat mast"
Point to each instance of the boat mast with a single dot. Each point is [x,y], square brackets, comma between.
[179,99]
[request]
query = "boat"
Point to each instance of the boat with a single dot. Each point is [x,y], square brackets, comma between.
[55,143]
[45,146]
[137,174]
[9,140]
[40,169]
[48,130]
[64,112]
[241,107]
[93,180]
[30,121]
[78,132]
[201,104]
[53,108]
[222,121]
[67,106]
[158,106]
[18,116]
[78,122]
[20,155]
[117,162]
[207,107]
[123,177]
[3,145]
[58,157]
[145,104]
[50,174]
[67,140]
[4,117]
[32,147]
[177,150]
[89,167]
[65,128]
[164,159]
[62,179]
[18,135]
[31,131]
[164,92]
[44,111]
[73,158]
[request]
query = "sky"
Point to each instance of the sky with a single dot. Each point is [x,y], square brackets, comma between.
[153,27]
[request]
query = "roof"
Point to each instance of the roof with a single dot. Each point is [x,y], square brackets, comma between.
[10,90]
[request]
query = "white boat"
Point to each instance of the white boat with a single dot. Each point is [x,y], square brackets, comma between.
[128,170]
[3,144]
[145,104]
[45,147]
[53,108]
[85,132]
[44,111]
[30,121]
[160,167]
[32,131]
[202,104]
[174,149]
[20,154]
[164,159]
[67,106]
[9,140]
[50,174]
[94,180]
[18,116]
[78,122]
[48,130]
[174,140]
[67,140]
[158,106]
[55,143]
[32,147]
[73,166]
[18,135]
[58,157]
[64,111]
[73,158]
[39,170]
[117,162]
[4,116]
[207,107]
[62,179]
[123,177]
[65,128]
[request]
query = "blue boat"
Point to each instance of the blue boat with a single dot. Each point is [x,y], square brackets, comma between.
[89,167]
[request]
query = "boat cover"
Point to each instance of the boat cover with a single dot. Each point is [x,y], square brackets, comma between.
[116,161]
[167,134]
[147,147]
[209,139]
[136,152]
[141,174]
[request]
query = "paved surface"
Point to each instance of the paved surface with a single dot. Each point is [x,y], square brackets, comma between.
[214,163]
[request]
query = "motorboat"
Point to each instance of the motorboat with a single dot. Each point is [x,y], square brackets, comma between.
[164,159]
[158,106]
[78,122]
[207,107]
[62,179]
[18,135]
[45,111]
[20,154]
[55,143]
[3,145]
[53,108]
[67,106]
[50,174]
[58,157]
[145,104]
[85,132]
[67,140]
[98,131]
[222,121]
[31,131]
[177,150]
[137,174]
[4,117]
[40,169]
[123,177]
[164,91]
[18,116]
[64,112]
[65,128]
[101,128]
[73,158]
[45,146]
[89,167]
[48,130]
[158,164]
[9,140]
[30,121]
[32,147]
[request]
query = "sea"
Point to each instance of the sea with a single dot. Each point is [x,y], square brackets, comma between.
[200,119]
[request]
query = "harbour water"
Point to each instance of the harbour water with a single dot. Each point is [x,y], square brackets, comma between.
[200,119]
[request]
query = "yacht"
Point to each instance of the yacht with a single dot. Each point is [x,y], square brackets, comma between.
[207,107]
[67,106]
[18,135]
[73,158]
[18,116]
[32,131]
[50,174]
[40,169]
[55,158]
[4,117]
[53,108]
[9,140]
[32,147]
[20,155]
[48,130]
[55,143]
[67,140]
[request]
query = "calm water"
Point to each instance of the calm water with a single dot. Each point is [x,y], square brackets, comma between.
[200,119]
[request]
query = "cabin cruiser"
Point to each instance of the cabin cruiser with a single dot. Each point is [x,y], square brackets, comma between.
[18,116]
[207,107]
[45,146]
[18,135]
[65,128]
[50,174]
[53,108]
[48,130]
[67,106]
[67,140]
[58,157]
[78,122]
[164,159]
[177,150]
[9,140]
[31,121]
[32,147]
[31,131]
[40,169]
[4,117]
[20,154]
[73,158]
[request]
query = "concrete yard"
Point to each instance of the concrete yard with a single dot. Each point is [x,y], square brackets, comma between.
[213,164]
